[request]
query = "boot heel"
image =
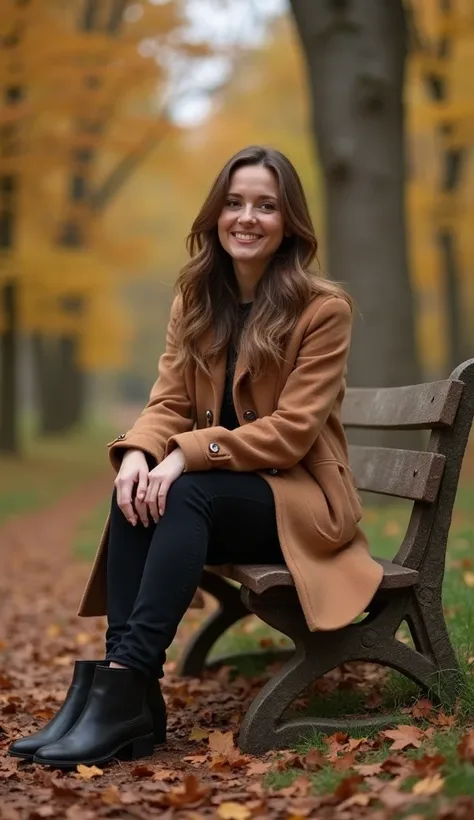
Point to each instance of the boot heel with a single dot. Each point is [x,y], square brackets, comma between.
[160,734]
[140,747]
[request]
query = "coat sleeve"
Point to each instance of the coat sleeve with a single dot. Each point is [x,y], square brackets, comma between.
[169,411]
[282,439]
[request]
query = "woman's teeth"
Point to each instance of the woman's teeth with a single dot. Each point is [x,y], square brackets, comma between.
[247,237]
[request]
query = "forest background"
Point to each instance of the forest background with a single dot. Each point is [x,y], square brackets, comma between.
[117,115]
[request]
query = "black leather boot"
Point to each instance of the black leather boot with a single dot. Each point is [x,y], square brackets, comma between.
[115,722]
[64,719]
[157,706]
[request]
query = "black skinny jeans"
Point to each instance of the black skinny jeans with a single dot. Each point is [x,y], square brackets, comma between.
[214,517]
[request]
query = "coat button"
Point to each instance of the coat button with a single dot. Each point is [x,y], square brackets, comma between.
[273,471]
[121,437]
[213,447]
[250,415]
[209,417]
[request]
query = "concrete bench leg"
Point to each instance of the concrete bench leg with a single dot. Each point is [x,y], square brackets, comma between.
[230,610]
[372,640]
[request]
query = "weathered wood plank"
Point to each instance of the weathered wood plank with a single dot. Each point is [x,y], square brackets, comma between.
[260,577]
[417,407]
[400,473]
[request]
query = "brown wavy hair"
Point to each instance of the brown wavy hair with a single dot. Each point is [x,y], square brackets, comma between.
[208,286]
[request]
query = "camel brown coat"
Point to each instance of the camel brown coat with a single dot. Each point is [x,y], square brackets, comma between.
[291,434]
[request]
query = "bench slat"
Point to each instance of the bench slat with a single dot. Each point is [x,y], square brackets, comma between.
[416,407]
[260,577]
[401,473]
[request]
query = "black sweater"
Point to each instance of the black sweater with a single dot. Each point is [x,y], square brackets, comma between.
[228,417]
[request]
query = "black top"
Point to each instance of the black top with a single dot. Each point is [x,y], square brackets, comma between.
[228,416]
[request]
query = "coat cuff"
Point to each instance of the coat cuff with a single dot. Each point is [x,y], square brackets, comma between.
[200,451]
[133,441]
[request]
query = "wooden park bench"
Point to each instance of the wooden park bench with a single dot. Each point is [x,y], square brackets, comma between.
[411,589]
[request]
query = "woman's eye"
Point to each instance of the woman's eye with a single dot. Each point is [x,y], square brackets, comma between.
[232,203]
[268,206]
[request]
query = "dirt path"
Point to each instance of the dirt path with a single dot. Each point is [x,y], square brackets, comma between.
[41,636]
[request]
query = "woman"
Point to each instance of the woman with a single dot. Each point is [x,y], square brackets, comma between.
[238,457]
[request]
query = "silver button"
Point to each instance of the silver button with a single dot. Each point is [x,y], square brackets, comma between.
[273,471]
[250,415]
[209,417]
[121,437]
[213,447]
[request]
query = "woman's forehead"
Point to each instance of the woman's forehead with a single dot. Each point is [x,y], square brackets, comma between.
[255,179]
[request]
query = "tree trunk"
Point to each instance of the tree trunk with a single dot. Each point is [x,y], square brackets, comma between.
[9,434]
[355,53]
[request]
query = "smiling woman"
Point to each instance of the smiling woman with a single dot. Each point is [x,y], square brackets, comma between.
[251,225]
[239,457]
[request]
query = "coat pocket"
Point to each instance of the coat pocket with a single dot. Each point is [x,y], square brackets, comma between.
[339,510]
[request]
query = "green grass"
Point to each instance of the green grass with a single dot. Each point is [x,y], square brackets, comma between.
[50,467]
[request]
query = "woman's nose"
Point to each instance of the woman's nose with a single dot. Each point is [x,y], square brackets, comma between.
[247,215]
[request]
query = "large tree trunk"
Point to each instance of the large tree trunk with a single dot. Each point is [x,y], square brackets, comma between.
[355,52]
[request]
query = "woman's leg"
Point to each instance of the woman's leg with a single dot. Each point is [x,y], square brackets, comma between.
[211,517]
[126,557]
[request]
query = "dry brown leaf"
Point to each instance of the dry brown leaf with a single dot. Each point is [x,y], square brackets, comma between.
[404,736]
[257,767]
[165,774]
[348,786]
[422,708]
[393,798]
[221,743]
[142,771]
[189,793]
[468,578]
[466,747]
[88,772]
[369,769]
[197,733]
[111,796]
[430,785]
[233,811]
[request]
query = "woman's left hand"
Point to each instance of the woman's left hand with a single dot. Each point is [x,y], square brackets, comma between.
[160,480]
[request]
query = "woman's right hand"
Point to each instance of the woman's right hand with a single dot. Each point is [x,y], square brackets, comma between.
[133,470]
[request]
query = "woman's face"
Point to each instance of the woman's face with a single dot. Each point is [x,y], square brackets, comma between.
[251,225]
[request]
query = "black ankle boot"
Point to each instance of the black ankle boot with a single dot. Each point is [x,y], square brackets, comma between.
[157,706]
[115,722]
[64,719]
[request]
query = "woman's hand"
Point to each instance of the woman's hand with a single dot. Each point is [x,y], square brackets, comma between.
[133,470]
[160,480]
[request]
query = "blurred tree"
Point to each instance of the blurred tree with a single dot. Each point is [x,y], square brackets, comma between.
[441,52]
[355,53]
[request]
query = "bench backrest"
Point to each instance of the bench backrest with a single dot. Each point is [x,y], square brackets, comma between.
[429,478]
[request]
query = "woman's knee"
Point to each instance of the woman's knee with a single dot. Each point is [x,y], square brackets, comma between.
[187,488]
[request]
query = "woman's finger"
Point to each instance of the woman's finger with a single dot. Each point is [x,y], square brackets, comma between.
[124,499]
[151,499]
[162,496]
[142,511]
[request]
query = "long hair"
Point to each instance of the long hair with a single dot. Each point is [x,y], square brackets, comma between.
[207,283]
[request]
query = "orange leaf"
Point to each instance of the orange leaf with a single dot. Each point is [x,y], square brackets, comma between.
[430,785]
[466,747]
[88,772]
[403,736]
[221,743]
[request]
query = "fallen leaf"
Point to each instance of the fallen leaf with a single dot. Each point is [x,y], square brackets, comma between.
[221,743]
[314,760]
[393,798]
[369,769]
[165,774]
[422,708]
[348,786]
[430,785]
[468,578]
[111,796]
[142,771]
[466,747]
[427,765]
[88,772]
[233,811]
[258,767]
[197,733]
[190,792]
[404,736]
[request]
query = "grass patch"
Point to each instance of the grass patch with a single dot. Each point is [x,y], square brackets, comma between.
[49,468]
